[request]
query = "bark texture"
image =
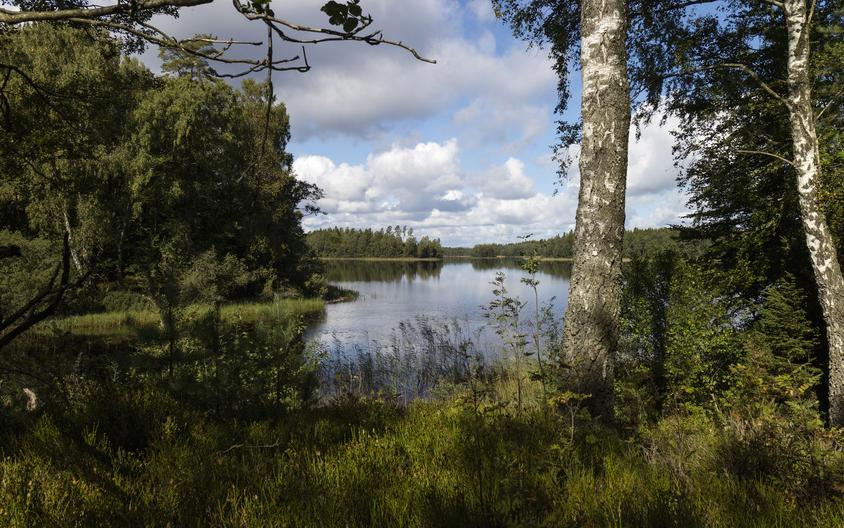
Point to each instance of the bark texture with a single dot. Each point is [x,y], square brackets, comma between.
[594,304]
[818,236]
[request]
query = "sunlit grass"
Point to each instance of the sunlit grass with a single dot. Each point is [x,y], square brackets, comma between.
[129,323]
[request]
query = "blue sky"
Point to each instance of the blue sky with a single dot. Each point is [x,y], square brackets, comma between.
[459,150]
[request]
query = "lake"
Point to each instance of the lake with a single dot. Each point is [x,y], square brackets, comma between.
[395,296]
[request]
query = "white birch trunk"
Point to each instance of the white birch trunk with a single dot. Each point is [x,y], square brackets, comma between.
[594,304]
[818,237]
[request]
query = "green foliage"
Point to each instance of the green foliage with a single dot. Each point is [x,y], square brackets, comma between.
[681,336]
[556,247]
[22,277]
[702,340]
[175,407]
[150,177]
[211,279]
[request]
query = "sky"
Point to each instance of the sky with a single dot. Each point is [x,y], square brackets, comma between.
[459,150]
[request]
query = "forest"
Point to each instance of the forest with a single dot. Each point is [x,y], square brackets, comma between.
[387,242]
[167,355]
[637,242]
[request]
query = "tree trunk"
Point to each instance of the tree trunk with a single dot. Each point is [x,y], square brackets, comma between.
[594,304]
[818,237]
[76,262]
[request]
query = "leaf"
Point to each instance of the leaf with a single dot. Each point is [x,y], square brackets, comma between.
[331,8]
[350,25]
[355,10]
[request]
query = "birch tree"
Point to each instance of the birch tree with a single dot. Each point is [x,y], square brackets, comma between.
[738,46]
[591,325]
[806,161]
[592,316]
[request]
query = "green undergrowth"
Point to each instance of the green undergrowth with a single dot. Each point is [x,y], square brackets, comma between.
[451,461]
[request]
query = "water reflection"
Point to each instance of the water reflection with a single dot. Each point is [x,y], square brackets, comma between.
[554,268]
[395,293]
[393,271]
[381,271]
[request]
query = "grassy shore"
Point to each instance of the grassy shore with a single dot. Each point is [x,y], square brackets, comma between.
[130,323]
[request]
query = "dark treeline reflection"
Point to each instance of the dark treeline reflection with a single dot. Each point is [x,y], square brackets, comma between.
[548,267]
[381,271]
[392,271]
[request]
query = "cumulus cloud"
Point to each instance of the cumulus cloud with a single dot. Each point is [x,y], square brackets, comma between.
[363,96]
[355,90]
[509,123]
[508,181]
[426,187]
[405,181]
[495,98]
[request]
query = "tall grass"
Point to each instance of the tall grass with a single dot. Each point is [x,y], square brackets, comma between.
[367,462]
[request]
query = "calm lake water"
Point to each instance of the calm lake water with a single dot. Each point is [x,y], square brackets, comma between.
[396,294]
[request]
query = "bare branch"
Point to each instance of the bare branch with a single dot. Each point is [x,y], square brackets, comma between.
[769,154]
[164,40]
[732,65]
[683,5]
[51,294]
[373,39]
[228,43]
[755,76]
[121,8]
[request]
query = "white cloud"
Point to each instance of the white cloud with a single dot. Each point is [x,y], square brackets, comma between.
[512,124]
[374,90]
[651,164]
[424,186]
[506,182]
[346,182]
[359,91]
[406,181]
[482,9]
[667,207]
[496,98]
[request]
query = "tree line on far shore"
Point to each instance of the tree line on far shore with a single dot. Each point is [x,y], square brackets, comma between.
[392,242]
[637,243]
